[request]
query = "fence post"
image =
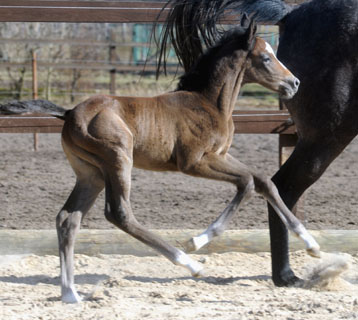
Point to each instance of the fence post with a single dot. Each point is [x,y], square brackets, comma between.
[112,59]
[34,90]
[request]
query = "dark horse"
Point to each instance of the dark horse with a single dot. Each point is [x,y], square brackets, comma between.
[189,130]
[319,44]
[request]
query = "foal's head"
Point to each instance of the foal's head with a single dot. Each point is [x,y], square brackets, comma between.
[237,49]
[264,68]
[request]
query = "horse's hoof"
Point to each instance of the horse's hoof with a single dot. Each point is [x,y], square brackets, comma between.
[71,297]
[314,252]
[287,279]
[199,274]
[189,246]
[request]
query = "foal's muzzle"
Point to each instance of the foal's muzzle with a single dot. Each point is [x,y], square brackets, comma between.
[289,87]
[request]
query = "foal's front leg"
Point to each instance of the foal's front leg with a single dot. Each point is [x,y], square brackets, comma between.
[265,187]
[227,168]
[221,223]
[223,168]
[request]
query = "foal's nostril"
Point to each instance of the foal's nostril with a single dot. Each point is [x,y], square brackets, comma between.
[296,83]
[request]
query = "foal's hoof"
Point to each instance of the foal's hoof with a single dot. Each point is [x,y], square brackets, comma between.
[196,243]
[189,246]
[70,296]
[199,274]
[314,252]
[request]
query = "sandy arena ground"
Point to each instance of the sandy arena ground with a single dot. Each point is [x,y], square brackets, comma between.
[34,185]
[236,286]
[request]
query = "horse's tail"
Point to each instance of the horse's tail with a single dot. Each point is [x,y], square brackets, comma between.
[187,24]
[33,106]
[191,24]
[265,11]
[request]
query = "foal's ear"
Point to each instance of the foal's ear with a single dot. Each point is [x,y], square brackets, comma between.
[245,20]
[249,24]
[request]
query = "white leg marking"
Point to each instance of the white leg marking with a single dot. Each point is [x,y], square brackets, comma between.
[312,246]
[194,267]
[70,295]
[201,240]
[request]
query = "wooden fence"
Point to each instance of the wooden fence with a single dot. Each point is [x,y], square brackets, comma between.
[277,122]
[253,121]
[87,11]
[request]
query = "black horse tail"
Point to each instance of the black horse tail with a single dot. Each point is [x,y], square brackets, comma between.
[191,25]
[33,106]
[264,11]
[188,23]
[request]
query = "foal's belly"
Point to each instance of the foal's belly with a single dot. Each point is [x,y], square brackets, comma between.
[154,155]
[147,161]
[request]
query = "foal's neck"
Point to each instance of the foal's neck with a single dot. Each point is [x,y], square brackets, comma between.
[225,82]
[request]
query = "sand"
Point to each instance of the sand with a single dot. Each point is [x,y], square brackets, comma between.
[34,185]
[236,286]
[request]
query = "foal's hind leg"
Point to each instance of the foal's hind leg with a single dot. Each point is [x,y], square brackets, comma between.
[118,211]
[226,168]
[88,185]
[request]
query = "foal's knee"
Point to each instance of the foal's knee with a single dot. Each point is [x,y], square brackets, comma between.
[246,184]
[66,219]
[263,184]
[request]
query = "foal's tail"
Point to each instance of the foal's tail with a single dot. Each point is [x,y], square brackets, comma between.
[33,106]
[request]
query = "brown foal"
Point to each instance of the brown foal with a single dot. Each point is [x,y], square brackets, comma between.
[188,130]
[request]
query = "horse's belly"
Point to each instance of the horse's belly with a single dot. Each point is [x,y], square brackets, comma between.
[156,158]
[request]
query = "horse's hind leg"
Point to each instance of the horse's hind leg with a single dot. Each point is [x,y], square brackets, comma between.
[118,211]
[88,185]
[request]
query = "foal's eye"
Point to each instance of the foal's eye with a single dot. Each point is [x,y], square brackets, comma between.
[266,59]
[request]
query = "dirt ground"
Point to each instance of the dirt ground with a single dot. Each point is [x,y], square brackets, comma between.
[237,286]
[34,186]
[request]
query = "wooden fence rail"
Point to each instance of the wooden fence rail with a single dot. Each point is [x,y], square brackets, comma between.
[87,11]
[258,122]
[277,122]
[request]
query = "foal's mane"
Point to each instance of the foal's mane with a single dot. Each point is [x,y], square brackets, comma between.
[192,25]
[200,73]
